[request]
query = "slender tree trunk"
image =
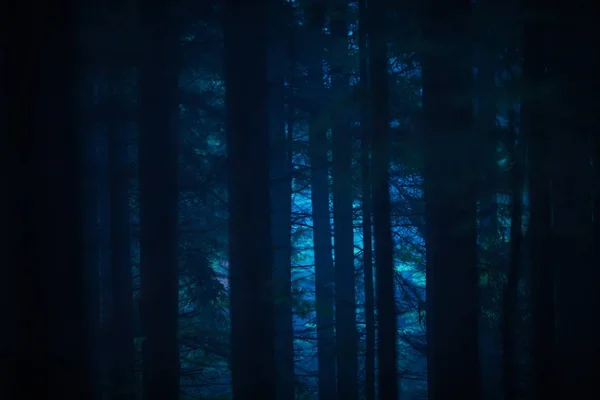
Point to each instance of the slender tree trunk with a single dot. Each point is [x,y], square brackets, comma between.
[595,300]
[384,245]
[319,183]
[486,93]
[510,294]
[450,194]
[253,364]
[92,167]
[323,263]
[542,273]
[345,303]
[104,253]
[573,129]
[158,175]
[490,247]
[120,244]
[365,157]
[572,232]
[281,200]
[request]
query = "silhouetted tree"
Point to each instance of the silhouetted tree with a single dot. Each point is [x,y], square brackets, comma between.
[158,182]
[384,246]
[319,183]
[250,239]
[343,232]
[281,199]
[365,160]
[46,323]
[450,195]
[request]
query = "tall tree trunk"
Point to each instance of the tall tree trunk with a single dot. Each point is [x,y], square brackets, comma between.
[384,245]
[574,127]
[158,175]
[510,295]
[595,300]
[323,262]
[103,238]
[319,183]
[450,194]
[120,242]
[534,130]
[572,233]
[250,239]
[486,49]
[343,230]
[486,94]
[365,157]
[46,319]
[92,167]
[281,200]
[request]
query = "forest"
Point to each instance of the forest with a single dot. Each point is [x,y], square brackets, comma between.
[300,199]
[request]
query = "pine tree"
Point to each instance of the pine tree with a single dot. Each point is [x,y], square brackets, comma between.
[250,239]
[158,182]
[450,196]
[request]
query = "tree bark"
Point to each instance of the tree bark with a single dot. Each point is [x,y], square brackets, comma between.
[253,363]
[574,127]
[46,320]
[158,181]
[384,245]
[510,295]
[365,157]
[533,114]
[343,231]
[319,184]
[281,200]
[451,195]
[123,360]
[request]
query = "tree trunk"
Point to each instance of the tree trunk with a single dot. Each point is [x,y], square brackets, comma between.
[384,245]
[490,246]
[158,174]
[542,274]
[450,194]
[250,241]
[595,300]
[510,296]
[343,231]
[319,184]
[487,97]
[46,320]
[281,200]
[123,360]
[365,157]
[574,127]
[92,167]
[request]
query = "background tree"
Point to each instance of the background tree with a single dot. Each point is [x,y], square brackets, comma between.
[280,130]
[319,182]
[365,159]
